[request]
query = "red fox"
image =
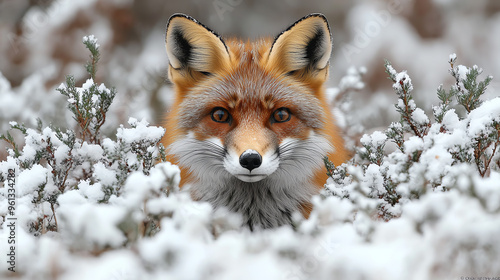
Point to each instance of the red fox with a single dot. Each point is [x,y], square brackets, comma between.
[250,124]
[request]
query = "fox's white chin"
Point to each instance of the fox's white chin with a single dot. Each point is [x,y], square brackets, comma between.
[251,178]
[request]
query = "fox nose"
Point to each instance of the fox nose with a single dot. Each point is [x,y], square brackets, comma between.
[250,159]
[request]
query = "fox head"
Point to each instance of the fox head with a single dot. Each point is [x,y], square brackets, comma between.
[250,125]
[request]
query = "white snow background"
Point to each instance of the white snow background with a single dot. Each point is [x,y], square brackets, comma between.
[451,231]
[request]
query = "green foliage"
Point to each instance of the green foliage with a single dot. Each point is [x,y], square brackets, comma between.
[89,106]
[467,90]
[445,104]
[425,150]
[412,118]
[74,160]
[91,44]
[90,103]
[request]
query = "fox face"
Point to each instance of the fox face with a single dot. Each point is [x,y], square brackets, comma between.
[250,125]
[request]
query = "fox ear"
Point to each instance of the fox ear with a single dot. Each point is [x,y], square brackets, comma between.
[305,45]
[193,47]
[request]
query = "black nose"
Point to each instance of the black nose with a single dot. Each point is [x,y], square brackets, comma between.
[250,159]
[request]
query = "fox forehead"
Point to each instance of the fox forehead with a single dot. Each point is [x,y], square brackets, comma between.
[248,88]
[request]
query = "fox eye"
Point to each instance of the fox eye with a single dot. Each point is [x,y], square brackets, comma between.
[220,115]
[281,115]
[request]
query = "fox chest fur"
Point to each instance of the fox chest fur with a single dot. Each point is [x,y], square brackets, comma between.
[250,125]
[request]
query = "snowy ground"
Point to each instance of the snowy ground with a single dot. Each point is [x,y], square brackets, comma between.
[425,210]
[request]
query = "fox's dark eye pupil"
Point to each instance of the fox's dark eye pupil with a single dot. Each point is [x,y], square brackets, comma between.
[281,115]
[220,115]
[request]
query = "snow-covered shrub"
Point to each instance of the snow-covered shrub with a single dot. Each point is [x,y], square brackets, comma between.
[54,162]
[439,180]
[88,192]
[420,200]
[428,154]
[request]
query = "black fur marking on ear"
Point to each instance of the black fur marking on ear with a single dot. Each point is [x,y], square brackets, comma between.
[295,23]
[197,22]
[182,47]
[314,46]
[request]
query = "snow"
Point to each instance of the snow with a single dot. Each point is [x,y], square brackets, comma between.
[29,180]
[374,178]
[438,160]
[376,139]
[92,151]
[4,84]
[339,247]
[451,120]
[61,154]
[352,79]
[452,58]
[419,116]
[332,210]
[140,132]
[10,105]
[413,144]
[402,82]
[94,225]
[117,264]
[104,175]
[455,230]
[462,72]
[139,186]
[93,192]
[95,99]
[87,85]
[392,71]
[479,118]
[150,229]
[91,39]
[489,191]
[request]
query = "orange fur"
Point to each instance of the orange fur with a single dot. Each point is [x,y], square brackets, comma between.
[276,60]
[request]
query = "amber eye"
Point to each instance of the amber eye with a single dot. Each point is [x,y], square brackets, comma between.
[220,115]
[281,115]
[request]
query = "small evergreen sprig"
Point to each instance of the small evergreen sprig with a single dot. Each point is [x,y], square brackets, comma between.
[411,116]
[445,104]
[466,89]
[89,103]
[7,137]
[91,44]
